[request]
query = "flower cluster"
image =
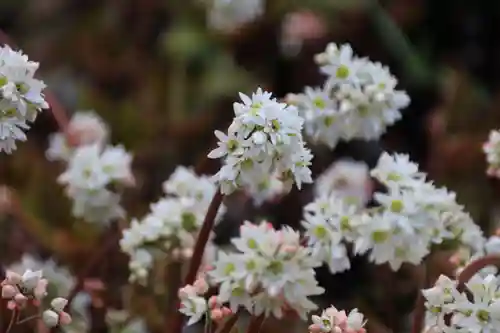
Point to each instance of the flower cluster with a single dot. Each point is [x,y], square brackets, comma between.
[60,283]
[492,150]
[411,216]
[172,225]
[335,321]
[85,128]
[55,315]
[28,290]
[270,273]
[449,310]
[93,177]
[21,97]
[358,100]
[264,138]
[227,15]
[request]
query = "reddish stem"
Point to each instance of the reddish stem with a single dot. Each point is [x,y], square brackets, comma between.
[419,311]
[471,269]
[256,324]
[198,252]
[228,325]
[467,273]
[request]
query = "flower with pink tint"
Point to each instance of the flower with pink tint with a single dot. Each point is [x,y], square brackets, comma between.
[84,128]
[335,321]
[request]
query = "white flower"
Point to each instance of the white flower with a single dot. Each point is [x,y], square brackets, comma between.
[481,313]
[345,179]
[270,271]
[328,224]
[264,139]
[86,127]
[92,171]
[492,150]
[21,97]
[412,215]
[357,101]
[227,15]
[172,225]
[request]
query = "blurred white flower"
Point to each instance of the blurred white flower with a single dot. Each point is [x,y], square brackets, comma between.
[92,172]
[172,225]
[227,15]
[492,150]
[345,179]
[21,97]
[85,127]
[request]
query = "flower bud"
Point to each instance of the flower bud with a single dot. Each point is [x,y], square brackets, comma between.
[64,318]
[9,291]
[58,304]
[50,318]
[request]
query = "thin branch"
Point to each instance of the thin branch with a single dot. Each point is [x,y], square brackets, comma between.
[256,324]
[198,252]
[471,269]
[419,311]
[229,324]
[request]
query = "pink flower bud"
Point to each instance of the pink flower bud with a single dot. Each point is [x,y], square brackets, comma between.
[200,286]
[40,289]
[64,318]
[226,311]
[186,291]
[13,277]
[9,291]
[20,299]
[213,302]
[315,328]
[11,305]
[216,314]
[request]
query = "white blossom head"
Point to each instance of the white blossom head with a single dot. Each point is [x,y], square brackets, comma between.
[332,320]
[478,313]
[264,138]
[92,175]
[171,227]
[270,272]
[21,97]
[359,99]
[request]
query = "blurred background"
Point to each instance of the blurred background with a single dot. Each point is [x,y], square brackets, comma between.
[164,73]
